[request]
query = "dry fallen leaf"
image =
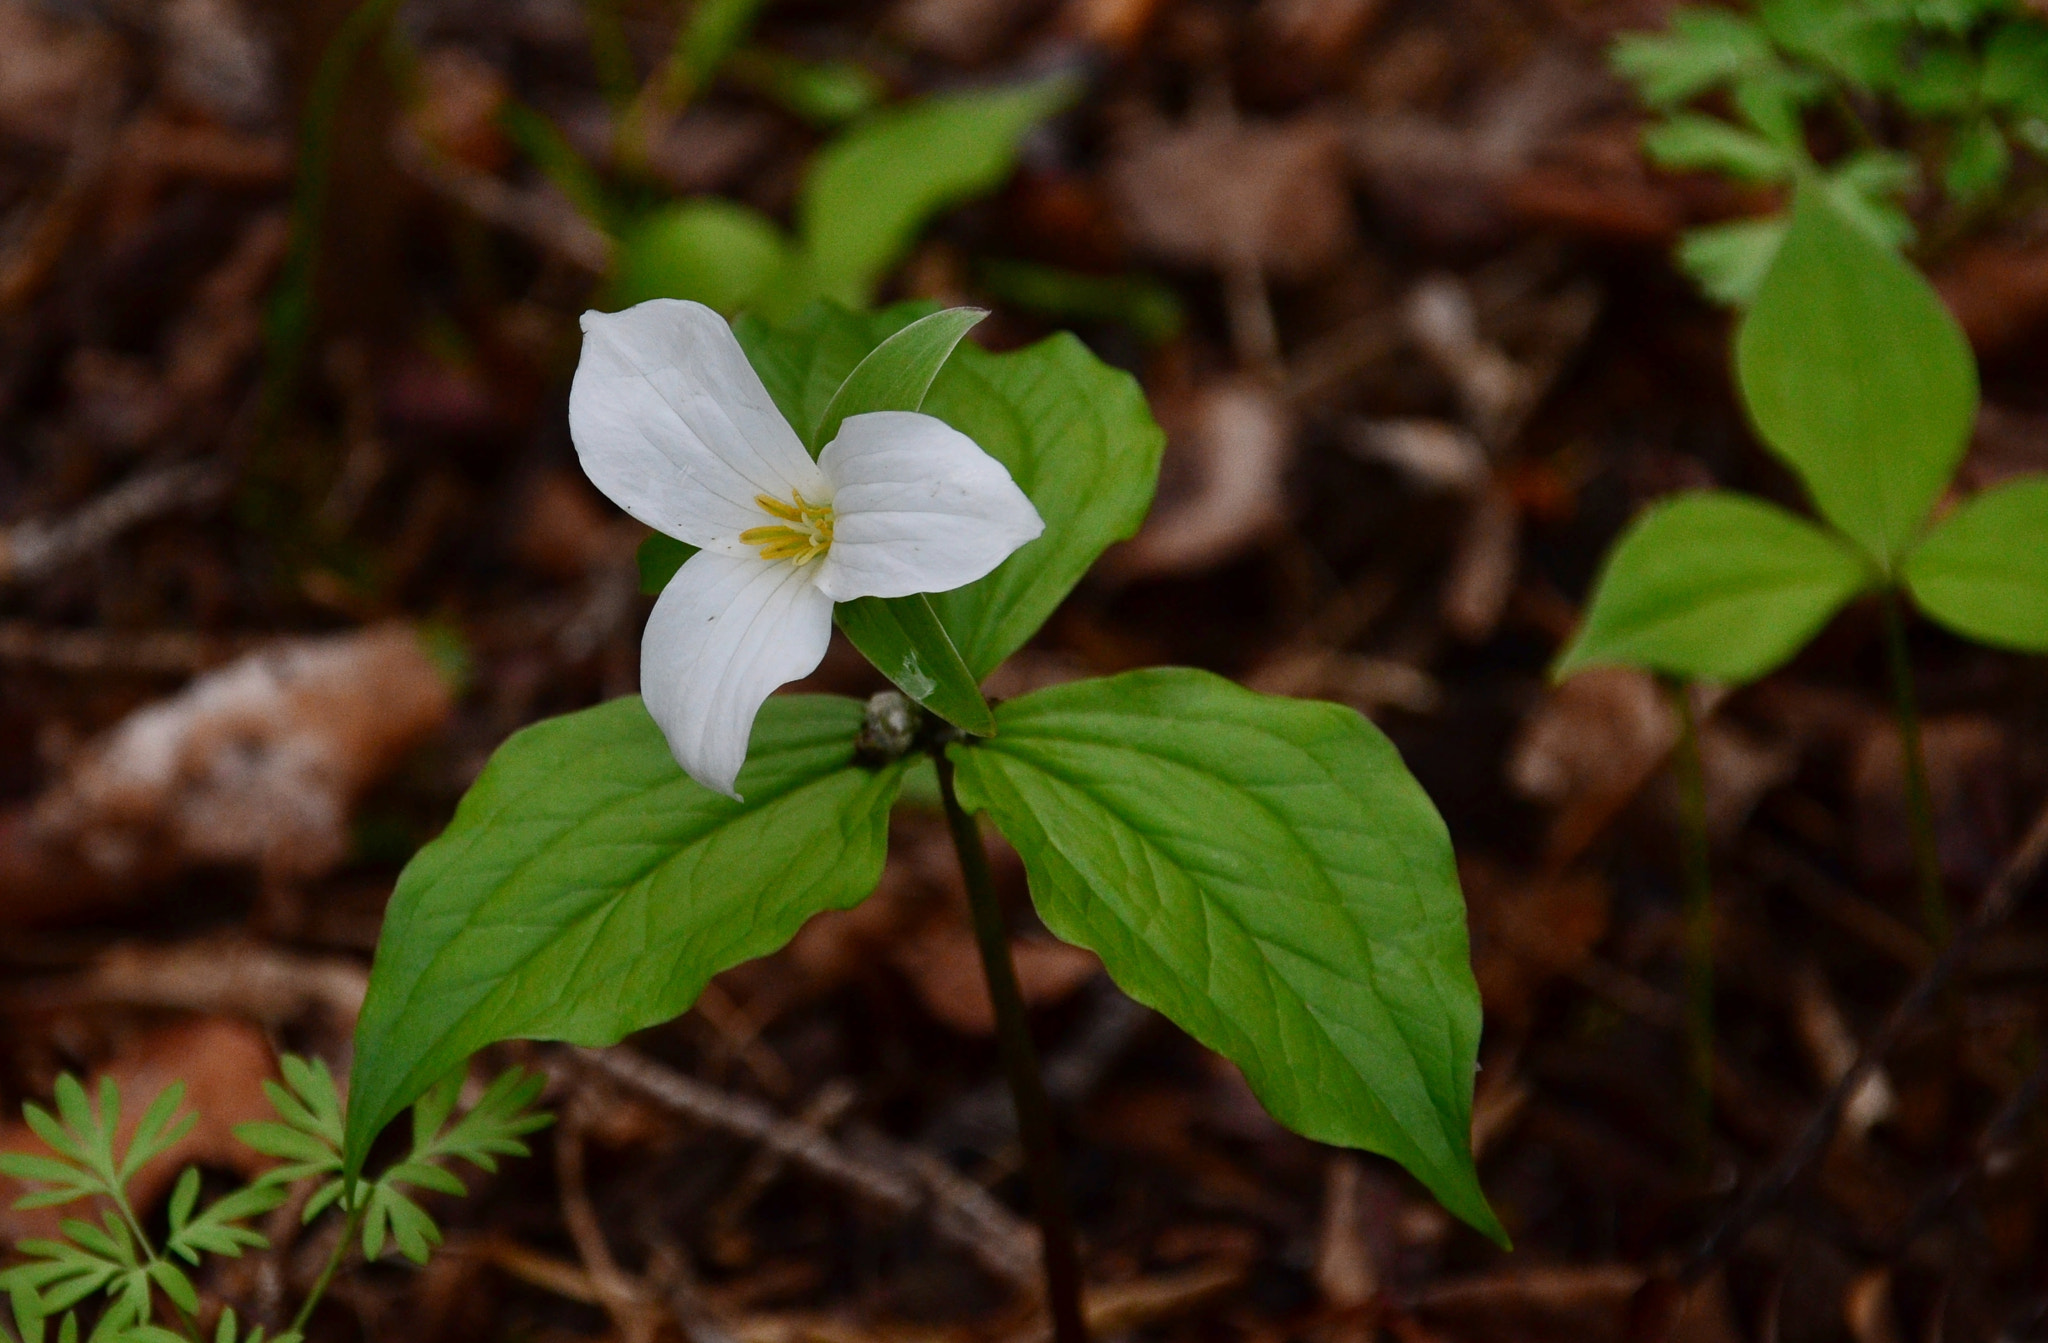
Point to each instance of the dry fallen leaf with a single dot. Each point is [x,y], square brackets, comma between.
[258,763]
[1222,492]
[1222,194]
[1526,933]
[1969,780]
[1587,749]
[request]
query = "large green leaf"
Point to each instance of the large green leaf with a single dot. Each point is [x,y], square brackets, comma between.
[1075,434]
[1714,585]
[1857,376]
[1266,873]
[1079,439]
[869,192]
[1983,571]
[587,888]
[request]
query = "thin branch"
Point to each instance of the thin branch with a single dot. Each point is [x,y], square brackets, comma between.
[896,1179]
[2001,897]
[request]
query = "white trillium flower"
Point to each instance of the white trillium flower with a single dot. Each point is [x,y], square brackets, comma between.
[673,424]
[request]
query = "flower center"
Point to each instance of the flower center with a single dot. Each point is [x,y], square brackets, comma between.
[804,533]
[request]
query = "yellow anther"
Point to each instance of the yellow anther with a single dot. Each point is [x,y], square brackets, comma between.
[807,540]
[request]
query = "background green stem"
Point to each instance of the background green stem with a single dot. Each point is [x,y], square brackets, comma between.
[333,1264]
[1020,1062]
[1699,912]
[1919,798]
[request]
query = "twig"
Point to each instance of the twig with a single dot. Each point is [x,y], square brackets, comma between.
[31,549]
[1991,1144]
[885,1174]
[2001,897]
[624,1299]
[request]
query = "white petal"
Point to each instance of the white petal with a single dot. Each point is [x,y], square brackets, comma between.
[673,424]
[918,507]
[724,634]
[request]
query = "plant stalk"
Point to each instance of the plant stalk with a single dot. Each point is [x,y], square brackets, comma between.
[1919,797]
[1699,911]
[1020,1063]
[349,1229]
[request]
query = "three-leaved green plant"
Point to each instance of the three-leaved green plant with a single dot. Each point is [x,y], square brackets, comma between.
[1856,377]
[1895,92]
[118,1262]
[1263,871]
[865,196]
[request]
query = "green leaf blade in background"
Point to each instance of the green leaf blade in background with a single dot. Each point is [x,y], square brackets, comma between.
[1694,141]
[869,192]
[1266,873]
[1983,570]
[587,888]
[713,251]
[1714,585]
[1856,375]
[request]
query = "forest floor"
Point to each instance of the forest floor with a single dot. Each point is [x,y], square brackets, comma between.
[1397,282]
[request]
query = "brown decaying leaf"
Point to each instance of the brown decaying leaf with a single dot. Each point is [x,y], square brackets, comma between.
[258,763]
[1219,194]
[1222,491]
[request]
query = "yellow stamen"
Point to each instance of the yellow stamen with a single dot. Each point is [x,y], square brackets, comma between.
[802,543]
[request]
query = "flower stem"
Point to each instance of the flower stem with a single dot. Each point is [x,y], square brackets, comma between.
[1919,801]
[1699,913]
[1020,1063]
[327,1272]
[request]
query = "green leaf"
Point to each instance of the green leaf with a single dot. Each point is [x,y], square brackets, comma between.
[1983,570]
[587,889]
[1079,439]
[1265,872]
[2016,68]
[905,640]
[1705,48]
[1713,585]
[715,251]
[1855,374]
[1943,82]
[494,1126]
[658,558]
[897,373]
[804,359]
[869,192]
[1853,41]
[824,93]
[1979,160]
[155,1133]
[1693,140]
[1729,261]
